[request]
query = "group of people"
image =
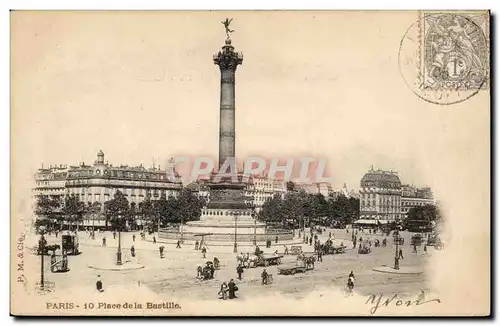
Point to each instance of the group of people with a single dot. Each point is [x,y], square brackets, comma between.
[206,272]
[228,290]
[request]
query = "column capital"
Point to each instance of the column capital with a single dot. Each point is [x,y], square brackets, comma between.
[227,59]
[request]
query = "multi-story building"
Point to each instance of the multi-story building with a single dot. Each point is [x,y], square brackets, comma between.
[307,186]
[323,188]
[413,197]
[51,181]
[260,188]
[100,181]
[380,196]
[344,191]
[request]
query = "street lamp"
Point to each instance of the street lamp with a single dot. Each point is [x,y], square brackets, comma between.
[41,246]
[236,213]
[182,230]
[119,252]
[396,255]
[254,229]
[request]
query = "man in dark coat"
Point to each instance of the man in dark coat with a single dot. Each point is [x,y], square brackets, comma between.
[232,289]
[98,284]
[240,271]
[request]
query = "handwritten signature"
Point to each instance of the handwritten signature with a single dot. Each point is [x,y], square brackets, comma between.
[379,300]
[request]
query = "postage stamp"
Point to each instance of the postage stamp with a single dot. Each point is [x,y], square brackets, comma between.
[444,56]
[455,52]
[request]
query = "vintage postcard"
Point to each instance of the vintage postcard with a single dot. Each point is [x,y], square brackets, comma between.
[241,163]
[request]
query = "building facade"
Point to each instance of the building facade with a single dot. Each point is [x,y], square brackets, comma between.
[260,188]
[380,196]
[100,181]
[323,188]
[51,181]
[412,196]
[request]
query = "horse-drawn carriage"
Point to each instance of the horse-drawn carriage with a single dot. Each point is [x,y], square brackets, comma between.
[251,261]
[416,240]
[47,249]
[267,260]
[303,264]
[70,244]
[291,269]
[435,241]
[364,249]
[328,248]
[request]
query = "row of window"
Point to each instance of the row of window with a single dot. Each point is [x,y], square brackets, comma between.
[412,204]
[227,213]
[126,192]
[120,174]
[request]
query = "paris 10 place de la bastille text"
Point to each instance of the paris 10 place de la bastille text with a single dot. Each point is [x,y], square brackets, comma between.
[112,306]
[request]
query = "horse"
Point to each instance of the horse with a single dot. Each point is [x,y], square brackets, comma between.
[308,261]
[247,260]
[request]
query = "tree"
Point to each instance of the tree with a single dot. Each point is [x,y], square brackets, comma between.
[93,211]
[343,210]
[319,208]
[423,217]
[73,209]
[186,207]
[117,211]
[165,209]
[272,210]
[190,205]
[149,213]
[47,209]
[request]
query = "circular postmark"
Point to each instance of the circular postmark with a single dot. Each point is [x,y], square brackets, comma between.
[444,58]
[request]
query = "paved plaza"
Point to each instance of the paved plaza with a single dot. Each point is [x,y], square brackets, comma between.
[175,274]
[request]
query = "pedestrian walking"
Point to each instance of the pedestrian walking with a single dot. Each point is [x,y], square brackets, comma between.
[240,271]
[401,254]
[415,248]
[223,291]
[204,252]
[425,249]
[133,237]
[98,284]
[178,244]
[161,251]
[154,239]
[232,289]
[132,251]
[114,235]
[104,241]
[286,250]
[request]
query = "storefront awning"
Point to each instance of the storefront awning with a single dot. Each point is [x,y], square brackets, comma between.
[371,222]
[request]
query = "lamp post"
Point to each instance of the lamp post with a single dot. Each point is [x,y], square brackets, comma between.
[396,256]
[235,250]
[119,252]
[42,250]
[254,229]
[182,230]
